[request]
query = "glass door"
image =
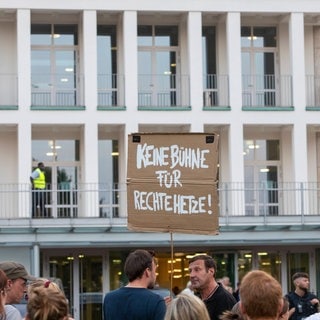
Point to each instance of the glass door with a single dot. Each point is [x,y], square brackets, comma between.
[80,277]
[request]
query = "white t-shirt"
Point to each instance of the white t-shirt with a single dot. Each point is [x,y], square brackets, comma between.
[315,316]
[12,313]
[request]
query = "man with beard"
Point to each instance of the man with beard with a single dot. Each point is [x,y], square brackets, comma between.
[217,299]
[135,301]
[302,303]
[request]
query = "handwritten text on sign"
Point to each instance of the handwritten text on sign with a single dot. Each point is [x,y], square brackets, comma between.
[174,158]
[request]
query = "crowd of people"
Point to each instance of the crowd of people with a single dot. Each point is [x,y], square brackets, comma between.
[258,297]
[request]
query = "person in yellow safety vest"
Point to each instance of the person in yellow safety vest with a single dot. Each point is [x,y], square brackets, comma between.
[38,181]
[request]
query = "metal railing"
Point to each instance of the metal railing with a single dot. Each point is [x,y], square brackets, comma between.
[216,90]
[110,90]
[266,90]
[168,90]
[57,90]
[95,200]
[313,90]
[8,89]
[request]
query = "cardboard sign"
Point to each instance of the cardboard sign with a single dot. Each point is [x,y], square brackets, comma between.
[172,182]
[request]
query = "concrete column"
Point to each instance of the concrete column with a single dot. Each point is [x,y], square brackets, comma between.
[90,58]
[296,31]
[195,62]
[24,58]
[90,174]
[24,158]
[299,94]
[130,59]
[234,59]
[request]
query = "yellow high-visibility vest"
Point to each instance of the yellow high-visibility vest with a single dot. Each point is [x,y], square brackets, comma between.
[40,182]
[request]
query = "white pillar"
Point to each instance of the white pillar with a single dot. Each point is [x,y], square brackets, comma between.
[24,58]
[234,60]
[195,65]
[297,61]
[90,58]
[24,143]
[36,260]
[130,59]
[90,174]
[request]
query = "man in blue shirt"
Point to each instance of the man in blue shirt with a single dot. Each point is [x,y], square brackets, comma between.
[135,301]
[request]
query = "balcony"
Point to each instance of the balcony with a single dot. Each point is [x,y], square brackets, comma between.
[57,91]
[267,92]
[110,92]
[285,205]
[163,92]
[216,92]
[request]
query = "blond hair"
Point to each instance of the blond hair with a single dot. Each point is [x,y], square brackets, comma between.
[46,301]
[186,307]
[260,295]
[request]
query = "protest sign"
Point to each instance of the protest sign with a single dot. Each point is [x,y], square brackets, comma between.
[172,182]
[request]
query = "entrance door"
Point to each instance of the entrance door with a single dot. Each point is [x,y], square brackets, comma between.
[81,279]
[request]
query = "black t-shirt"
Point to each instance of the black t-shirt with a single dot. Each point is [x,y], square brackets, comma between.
[219,302]
[303,306]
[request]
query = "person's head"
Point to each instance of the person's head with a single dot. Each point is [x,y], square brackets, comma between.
[186,307]
[260,296]
[284,313]
[141,264]
[301,280]
[41,166]
[202,269]
[46,301]
[3,293]
[17,280]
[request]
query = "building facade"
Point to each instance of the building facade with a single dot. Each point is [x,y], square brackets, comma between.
[77,77]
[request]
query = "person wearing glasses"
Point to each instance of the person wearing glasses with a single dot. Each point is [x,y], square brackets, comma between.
[16,286]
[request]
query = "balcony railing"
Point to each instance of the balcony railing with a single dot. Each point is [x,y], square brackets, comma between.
[313,90]
[216,90]
[265,201]
[266,90]
[8,90]
[110,90]
[63,90]
[161,91]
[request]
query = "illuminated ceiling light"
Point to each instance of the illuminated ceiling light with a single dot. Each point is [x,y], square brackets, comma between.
[252,38]
[50,154]
[173,65]
[68,69]
[262,253]
[177,276]
[264,170]
[56,36]
[64,80]
[167,72]
[81,256]
[115,154]
[116,261]
[248,255]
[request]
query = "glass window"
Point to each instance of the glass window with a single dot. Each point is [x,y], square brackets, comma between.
[166,36]
[259,37]
[297,262]
[65,35]
[144,35]
[55,150]
[107,49]
[270,263]
[209,50]
[262,150]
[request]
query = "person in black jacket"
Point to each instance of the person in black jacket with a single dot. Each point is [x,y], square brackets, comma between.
[217,299]
[302,303]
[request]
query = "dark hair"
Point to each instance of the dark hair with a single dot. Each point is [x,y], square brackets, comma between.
[136,263]
[3,288]
[40,164]
[300,275]
[208,261]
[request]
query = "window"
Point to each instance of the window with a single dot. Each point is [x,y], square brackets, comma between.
[54,65]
